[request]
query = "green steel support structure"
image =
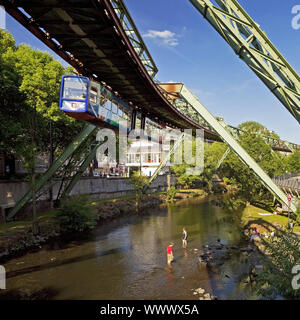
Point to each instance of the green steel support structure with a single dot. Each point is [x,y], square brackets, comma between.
[134,36]
[275,143]
[77,142]
[253,46]
[167,157]
[234,145]
[226,153]
[81,170]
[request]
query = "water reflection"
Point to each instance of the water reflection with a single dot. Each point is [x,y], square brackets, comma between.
[127,258]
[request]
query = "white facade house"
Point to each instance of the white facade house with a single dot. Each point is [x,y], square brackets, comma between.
[146,156]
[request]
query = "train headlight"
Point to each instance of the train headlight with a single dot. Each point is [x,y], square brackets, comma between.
[74,106]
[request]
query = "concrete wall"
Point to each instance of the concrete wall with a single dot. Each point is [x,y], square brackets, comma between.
[100,188]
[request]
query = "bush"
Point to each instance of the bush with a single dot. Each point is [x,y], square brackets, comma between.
[76,214]
[283,253]
[171,194]
[140,184]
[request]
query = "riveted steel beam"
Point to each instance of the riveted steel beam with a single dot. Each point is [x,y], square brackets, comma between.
[227,136]
[77,142]
[134,36]
[253,46]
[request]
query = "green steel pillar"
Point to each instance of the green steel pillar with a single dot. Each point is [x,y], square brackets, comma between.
[167,157]
[253,46]
[234,145]
[81,170]
[77,142]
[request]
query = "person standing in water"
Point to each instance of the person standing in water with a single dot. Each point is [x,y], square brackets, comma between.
[184,238]
[170,253]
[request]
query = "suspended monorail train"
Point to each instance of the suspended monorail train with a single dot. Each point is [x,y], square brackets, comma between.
[88,100]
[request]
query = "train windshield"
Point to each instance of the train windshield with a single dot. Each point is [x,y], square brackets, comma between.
[75,88]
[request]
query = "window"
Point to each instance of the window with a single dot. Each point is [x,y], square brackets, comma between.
[75,88]
[114,108]
[93,95]
[120,112]
[107,105]
[103,113]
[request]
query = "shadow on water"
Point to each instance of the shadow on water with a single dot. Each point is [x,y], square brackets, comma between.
[82,258]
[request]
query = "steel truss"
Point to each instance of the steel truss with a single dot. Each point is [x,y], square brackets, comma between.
[167,158]
[253,46]
[228,137]
[75,149]
[134,36]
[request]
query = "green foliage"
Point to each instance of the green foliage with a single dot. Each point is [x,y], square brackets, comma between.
[276,278]
[30,85]
[171,194]
[76,214]
[293,162]
[298,215]
[140,184]
[257,128]
[232,204]
[237,173]
[184,180]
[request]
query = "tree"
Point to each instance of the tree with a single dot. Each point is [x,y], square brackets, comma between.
[283,255]
[30,79]
[140,184]
[29,95]
[257,128]
[185,180]
[293,162]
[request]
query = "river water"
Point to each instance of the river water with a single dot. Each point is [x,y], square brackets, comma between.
[126,258]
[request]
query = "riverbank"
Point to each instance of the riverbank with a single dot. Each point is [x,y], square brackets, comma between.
[126,258]
[16,238]
[264,221]
[267,224]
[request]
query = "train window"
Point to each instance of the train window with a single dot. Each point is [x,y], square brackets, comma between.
[114,117]
[75,88]
[103,99]
[120,112]
[138,121]
[114,108]
[103,113]
[107,104]
[93,95]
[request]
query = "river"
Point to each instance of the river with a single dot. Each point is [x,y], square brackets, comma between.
[126,258]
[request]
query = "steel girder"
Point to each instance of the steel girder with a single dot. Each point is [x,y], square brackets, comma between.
[275,143]
[253,46]
[134,36]
[69,151]
[226,153]
[232,143]
[81,170]
[164,162]
[189,110]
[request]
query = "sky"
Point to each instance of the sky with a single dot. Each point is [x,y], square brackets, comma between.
[187,49]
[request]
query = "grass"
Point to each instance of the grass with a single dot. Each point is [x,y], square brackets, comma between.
[251,213]
[131,197]
[24,224]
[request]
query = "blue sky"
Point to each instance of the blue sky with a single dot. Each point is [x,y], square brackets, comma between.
[187,49]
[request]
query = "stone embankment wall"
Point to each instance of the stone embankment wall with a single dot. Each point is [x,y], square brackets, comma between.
[99,188]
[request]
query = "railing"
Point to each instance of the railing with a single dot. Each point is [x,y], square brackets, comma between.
[288,176]
[292,184]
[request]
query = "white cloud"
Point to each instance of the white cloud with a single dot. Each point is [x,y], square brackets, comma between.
[168,38]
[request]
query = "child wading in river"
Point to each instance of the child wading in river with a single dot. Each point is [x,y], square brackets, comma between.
[184,238]
[170,253]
